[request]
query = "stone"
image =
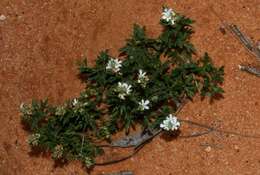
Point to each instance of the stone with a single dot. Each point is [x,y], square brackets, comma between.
[236,148]
[208,149]
[2,17]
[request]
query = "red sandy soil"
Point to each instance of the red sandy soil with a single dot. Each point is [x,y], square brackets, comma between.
[41,40]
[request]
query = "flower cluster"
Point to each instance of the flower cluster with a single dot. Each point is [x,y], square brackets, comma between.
[75,102]
[104,132]
[25,109]
[123,90]
[88,162]
[142,78]
[144,105]
[169,15]
[171,123]
[58,152]
[114,65]
[33,139]
[60,111]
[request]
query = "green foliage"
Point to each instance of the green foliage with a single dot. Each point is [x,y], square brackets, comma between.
[113,96]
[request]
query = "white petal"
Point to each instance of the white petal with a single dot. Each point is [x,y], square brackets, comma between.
[146,102]
[22,106]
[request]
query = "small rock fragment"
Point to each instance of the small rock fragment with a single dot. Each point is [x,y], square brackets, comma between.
[222,30]
[236,148]
[208,149]
[2,17]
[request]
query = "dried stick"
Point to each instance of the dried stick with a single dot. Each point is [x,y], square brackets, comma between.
[140,145]
[122,173]
[220,130]
[233,29]
[246,42]
[120,159]
[250,69]
[210,129]
[252,48]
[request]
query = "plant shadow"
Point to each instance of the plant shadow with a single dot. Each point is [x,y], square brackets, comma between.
[170,136]
[60,163]
[39,152]
[214,98]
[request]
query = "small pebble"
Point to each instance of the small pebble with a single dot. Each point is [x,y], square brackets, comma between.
[2,17]
[236,148]
[222,30]
[226,163]
[208,149]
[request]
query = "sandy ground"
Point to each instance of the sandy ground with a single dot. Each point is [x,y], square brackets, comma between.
[41,40]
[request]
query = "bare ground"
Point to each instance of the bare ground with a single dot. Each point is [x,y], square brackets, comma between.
[41,40]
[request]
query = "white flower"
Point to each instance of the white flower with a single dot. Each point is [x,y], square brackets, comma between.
[141,75]
[34,139]
[123,90]
[142,78]
[75,102]
[60,111]
[144,105]
[114,65]
[88,162]
[58,152]
[25,109]
[121,96]
[168,15]
[171,123]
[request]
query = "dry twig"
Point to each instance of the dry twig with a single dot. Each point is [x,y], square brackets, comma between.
[252,48]
[122,173]
[250,69]
[144,140]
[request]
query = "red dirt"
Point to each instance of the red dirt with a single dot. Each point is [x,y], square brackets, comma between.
[41,40]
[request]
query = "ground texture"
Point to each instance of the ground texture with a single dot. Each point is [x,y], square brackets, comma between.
[40,41]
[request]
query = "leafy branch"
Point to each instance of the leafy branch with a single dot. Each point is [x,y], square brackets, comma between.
[137,88]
